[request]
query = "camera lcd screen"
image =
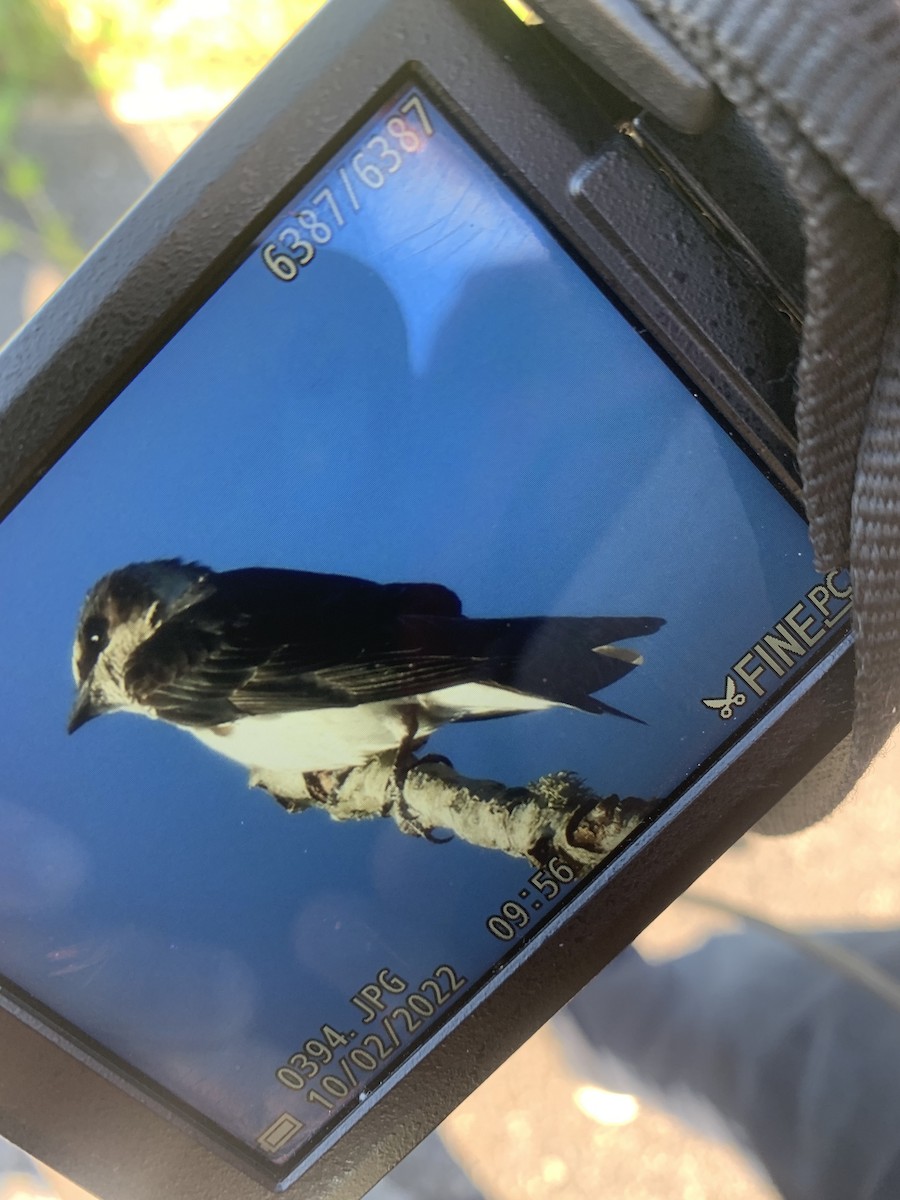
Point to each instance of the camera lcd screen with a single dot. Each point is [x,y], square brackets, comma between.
[301,815]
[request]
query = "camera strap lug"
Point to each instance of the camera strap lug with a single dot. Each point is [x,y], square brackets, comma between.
[627,49]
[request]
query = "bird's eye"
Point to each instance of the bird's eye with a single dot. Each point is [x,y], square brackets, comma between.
[93,638]
[96,633]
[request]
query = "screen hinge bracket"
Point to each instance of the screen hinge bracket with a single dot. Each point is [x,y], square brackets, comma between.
[627,49]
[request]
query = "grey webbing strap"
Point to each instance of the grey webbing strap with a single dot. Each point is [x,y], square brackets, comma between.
[820,81]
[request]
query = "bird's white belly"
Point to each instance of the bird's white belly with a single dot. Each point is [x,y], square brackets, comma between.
[331,739]
[326,739]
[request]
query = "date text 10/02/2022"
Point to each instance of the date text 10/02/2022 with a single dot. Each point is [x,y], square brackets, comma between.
[324,209]
[351,1067]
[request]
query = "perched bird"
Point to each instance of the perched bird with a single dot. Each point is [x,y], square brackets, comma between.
[295,671]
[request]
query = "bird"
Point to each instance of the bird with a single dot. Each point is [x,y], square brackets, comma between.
[299,671]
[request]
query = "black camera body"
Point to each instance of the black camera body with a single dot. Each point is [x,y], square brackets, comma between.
[692,245]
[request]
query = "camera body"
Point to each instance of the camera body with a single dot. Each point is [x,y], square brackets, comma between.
[691,245]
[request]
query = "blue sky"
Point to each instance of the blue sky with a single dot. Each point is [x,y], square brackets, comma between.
[441,395]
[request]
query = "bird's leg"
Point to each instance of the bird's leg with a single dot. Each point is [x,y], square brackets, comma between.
[406,819]
[399,772]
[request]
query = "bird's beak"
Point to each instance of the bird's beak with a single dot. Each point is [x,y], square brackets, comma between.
[86,707]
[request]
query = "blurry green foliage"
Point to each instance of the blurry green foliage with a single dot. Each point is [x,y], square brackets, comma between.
[9,238]
[34,50]
[23,177]
[194,52]
[34,58]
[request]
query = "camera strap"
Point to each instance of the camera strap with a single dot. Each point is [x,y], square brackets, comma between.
[819,80]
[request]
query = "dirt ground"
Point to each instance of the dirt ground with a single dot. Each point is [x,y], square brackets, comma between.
[843,873]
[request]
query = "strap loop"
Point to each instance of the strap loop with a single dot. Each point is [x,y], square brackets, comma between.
[819,81]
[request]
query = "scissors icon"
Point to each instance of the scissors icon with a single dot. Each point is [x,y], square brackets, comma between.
[729,702]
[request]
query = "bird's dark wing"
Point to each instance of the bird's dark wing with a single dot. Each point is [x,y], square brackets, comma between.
[269,641]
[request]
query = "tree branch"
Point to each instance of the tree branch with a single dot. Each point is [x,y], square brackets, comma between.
[557,815]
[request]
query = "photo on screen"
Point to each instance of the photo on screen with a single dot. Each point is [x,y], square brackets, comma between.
[398,588]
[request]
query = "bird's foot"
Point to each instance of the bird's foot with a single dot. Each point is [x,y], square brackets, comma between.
[320,787]
[407,819]
[409,822]
[291,804]
[429,760]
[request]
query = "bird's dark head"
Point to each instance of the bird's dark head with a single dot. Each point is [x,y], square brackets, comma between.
[120,612]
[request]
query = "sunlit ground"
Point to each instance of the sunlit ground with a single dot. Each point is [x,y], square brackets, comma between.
[21,1187]
[43,1185]
[180,60]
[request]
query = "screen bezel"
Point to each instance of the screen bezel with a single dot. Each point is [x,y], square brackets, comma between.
[142,284]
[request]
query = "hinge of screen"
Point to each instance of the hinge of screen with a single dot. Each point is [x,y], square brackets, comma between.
[623,45]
